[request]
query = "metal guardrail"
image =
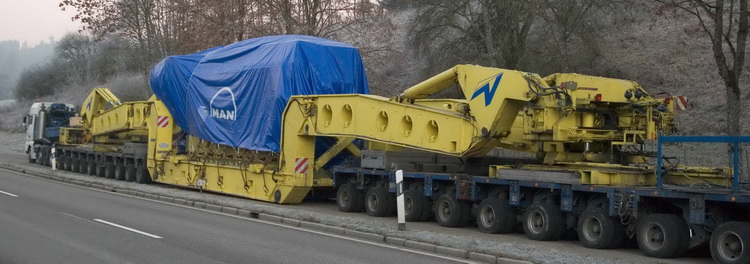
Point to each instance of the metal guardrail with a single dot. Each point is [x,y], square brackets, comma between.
[734,140]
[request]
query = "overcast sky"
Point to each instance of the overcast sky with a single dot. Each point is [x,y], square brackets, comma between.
[34,20]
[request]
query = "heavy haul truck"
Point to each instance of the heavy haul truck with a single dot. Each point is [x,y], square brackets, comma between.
[590,176]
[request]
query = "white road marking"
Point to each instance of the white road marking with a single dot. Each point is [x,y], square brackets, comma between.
[9,194]
[343,237]
[127,228]
[378,244]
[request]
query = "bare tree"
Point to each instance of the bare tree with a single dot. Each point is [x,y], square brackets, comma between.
[139,20]
[75,50]
[531,35]
[725,22]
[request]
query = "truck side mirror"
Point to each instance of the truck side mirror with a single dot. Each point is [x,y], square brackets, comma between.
[25,118]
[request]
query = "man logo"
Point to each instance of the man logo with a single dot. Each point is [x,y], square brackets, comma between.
[221,111]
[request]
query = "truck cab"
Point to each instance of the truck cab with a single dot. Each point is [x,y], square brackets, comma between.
[43,122]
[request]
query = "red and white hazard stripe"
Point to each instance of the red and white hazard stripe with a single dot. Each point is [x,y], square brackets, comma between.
[681,103]
[301,165]
[162,121]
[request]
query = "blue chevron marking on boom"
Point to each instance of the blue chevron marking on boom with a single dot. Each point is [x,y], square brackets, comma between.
[488,92]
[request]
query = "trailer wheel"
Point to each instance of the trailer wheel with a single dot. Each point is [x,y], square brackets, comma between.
[142,176]
[662,235]
[376,202]
[83,165]
[99,170]
[109,170]
[349,199]
[495,216]
[450,212]
[130,172]
[119,171]
[543,222]
[67,162]
[730,243]
[596,229]
[91,167]
[74,164]
[413,206]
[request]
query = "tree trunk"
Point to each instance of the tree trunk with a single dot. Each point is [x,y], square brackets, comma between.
[733,108]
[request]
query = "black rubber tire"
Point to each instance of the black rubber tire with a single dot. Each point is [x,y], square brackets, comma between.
[543,222]
[99,170]
[349,199]
[42,160]
[596,229]
[496,216]
[109,170]
[662,235]
[142,176]
[413,206]
[130,172]
[119,171]
[91,167]
[83,166]
[730,243]
[67,163]
[74,165]
[451,212]
[376,202]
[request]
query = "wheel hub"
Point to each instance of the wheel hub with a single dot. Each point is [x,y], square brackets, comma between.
[536,222]
[487,216]
[372,202]
[592,228]
[655,235]
[444,210]
[730,246]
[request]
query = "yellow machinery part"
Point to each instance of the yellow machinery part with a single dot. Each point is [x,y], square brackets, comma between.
[252,180]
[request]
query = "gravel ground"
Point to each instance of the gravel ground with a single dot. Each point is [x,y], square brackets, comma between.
[514,246]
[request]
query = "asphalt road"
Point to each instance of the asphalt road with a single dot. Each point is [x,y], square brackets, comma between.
[48,222]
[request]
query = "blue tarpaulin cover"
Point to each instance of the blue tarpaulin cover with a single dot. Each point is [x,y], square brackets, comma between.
[236,94]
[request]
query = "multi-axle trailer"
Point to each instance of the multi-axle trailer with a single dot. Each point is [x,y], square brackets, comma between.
[223,127]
